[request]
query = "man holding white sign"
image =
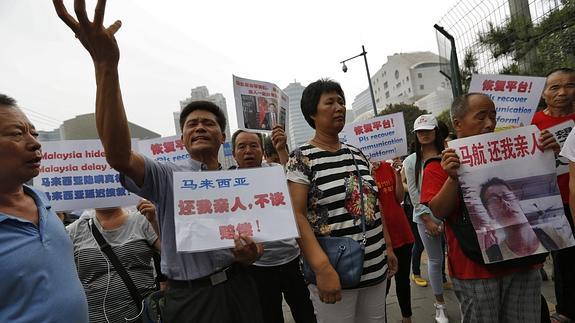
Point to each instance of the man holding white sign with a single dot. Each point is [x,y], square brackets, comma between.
[203,287]
[477,286]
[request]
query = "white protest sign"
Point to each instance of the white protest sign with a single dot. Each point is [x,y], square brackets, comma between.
[260,105]
[75,175]
[509,186]
[515,97]
[560,132]
[212,207]
[380,138]
[170,149]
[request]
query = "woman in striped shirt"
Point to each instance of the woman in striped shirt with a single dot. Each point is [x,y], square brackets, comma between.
[323,184]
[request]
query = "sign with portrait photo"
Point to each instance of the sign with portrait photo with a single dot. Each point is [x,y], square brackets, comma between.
[260,105]
[509,186]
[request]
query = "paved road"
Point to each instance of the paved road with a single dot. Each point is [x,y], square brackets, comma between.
[422,301]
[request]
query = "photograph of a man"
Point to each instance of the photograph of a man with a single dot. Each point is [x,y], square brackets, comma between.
[514,235]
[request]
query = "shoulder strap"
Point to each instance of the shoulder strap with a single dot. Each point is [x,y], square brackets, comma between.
[360,180]
[107,249]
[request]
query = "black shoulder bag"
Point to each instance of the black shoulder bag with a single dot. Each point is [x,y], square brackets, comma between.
[107,250]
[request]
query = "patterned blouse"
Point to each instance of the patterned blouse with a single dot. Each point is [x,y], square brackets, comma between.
[334,201]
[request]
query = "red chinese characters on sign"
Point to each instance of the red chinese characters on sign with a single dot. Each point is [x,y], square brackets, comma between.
[167,147]
[229,231]
[369,127]
[509,86]
[498,150]
[222,204]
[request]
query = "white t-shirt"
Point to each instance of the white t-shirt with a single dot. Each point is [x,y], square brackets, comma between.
[568,150]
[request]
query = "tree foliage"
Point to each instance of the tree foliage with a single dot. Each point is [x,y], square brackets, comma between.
[534,49]
[445,117]
[410,113]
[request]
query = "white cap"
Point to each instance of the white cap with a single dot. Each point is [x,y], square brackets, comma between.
[425,122]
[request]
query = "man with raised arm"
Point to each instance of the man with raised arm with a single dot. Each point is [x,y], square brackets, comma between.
[208,286]
[39,281]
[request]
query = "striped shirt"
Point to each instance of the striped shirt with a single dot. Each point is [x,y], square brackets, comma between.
[334,201]
[133,245]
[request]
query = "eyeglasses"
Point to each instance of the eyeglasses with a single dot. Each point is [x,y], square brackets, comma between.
[507,197]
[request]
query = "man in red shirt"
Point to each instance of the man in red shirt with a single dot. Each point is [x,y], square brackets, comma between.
[559,95]
[486,294]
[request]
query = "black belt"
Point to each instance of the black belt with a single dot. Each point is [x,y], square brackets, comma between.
[213,279]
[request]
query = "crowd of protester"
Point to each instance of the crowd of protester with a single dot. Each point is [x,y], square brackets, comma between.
[103,266]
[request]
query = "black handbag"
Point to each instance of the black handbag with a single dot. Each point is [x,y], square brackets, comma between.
[344,254]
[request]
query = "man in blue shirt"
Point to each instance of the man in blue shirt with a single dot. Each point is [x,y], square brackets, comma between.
[39,282]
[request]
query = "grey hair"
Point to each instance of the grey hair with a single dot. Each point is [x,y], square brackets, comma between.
[461,104]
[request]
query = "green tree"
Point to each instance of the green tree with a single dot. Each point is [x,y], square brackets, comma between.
[534,49]
[445,117]
[410,113]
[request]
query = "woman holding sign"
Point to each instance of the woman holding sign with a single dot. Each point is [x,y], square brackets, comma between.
[335,198]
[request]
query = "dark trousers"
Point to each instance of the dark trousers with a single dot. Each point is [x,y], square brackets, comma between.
[288,280]
[564,274]
[235,300]
[402,288]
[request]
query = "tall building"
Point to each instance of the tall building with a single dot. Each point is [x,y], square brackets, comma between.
[404,78]
[83,127]
[299,131]
[201,93]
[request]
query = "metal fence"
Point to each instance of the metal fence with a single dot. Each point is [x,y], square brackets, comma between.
[469,19]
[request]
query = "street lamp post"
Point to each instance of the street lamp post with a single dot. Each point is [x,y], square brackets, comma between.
[344,69]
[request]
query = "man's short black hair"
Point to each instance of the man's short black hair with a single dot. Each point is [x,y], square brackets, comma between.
[461,104]
[494,181]
[205,106]
[7,101]
[311,95]
[237,133]
[561,70]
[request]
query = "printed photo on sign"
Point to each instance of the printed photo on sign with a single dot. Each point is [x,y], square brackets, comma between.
[515,97]
[75,176]
[259,105]
[213,207]
[509,186]
[168,149]
[561,132]
[380,138]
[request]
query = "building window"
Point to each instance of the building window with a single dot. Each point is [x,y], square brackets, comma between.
[409,90]
[421,87]
[398,85]
[407,78]
[387,95]
[385,85]
[419,75]
[396,74]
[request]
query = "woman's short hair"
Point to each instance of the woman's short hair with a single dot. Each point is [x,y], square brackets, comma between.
[311,95]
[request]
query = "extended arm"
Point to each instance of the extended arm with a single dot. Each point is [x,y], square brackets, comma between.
[111,120]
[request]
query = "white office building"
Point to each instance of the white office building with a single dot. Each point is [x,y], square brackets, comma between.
[404,78]
[299,132]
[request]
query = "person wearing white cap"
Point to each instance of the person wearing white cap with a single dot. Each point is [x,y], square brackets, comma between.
[428,144]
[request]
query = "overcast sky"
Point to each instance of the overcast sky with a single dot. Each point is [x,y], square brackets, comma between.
[168,47]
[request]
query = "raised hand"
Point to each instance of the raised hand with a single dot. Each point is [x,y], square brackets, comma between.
[279,138]
[99,41]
